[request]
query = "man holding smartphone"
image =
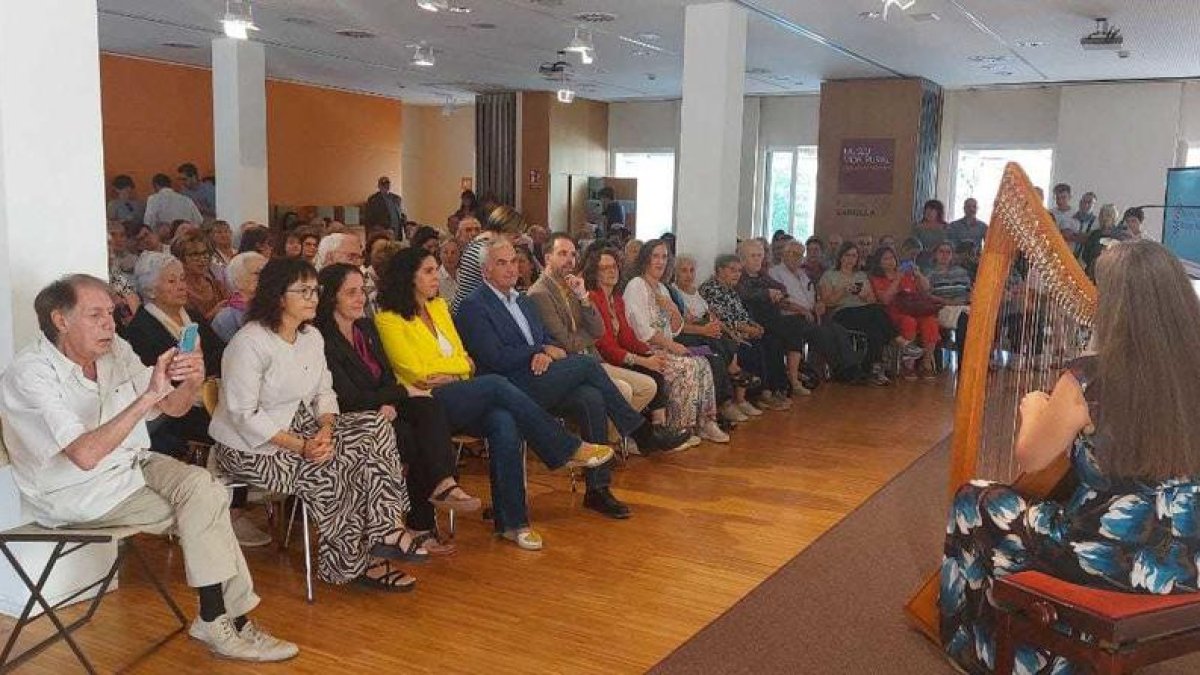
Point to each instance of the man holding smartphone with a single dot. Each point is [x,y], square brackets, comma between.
[75,406]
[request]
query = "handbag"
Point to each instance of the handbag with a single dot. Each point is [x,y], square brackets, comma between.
[916,304]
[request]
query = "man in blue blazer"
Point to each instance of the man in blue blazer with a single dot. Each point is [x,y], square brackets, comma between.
[503,333]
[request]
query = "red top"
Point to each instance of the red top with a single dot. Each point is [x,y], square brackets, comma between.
[908,284]
[613,346]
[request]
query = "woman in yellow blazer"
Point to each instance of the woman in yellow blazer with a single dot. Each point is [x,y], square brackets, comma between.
[428,358]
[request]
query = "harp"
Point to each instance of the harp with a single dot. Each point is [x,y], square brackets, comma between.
[1031,312]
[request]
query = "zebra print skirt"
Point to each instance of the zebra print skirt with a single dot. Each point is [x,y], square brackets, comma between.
[354,499]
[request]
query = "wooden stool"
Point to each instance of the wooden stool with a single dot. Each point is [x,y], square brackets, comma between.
[1131,630]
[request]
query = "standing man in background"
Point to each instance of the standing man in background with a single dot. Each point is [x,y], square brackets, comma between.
[969,227]
[384,209]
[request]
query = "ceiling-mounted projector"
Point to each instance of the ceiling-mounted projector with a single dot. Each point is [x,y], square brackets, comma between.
[1104,37]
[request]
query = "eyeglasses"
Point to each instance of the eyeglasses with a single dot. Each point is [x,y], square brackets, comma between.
[306,292]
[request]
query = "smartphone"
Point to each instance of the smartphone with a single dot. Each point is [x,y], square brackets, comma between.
[189,338]
[858,288]
[907,266]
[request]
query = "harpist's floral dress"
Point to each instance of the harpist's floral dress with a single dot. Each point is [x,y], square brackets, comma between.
[1122,535]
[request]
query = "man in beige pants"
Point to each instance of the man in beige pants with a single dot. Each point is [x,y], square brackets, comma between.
[75,406]
[574,324]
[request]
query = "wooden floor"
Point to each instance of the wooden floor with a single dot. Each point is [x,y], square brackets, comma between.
[603,597]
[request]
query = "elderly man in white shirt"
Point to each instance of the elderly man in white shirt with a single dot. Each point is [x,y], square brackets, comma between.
[830,340]
[167,205]
[75,406]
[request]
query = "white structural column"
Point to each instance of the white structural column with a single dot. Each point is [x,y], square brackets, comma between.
[710,134]
[240,130]
[51,206]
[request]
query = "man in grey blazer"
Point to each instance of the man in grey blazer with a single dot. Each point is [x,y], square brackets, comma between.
[574,325]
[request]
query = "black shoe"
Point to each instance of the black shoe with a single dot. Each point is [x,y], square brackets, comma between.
[660,438]
[605,503]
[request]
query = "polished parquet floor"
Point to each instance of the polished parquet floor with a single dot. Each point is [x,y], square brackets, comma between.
[603,597]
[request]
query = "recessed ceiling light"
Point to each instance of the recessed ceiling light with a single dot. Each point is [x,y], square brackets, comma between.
[1030,43]
[459,9]
[356,34]
[180,45]
[595,17]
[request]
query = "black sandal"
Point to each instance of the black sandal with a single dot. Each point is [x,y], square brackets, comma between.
[391,581]
[396,552]
[445,501]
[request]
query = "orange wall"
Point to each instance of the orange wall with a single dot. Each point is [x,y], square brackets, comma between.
[324,147]
[156,117]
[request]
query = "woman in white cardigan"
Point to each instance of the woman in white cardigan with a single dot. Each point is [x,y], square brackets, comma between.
[277,427]
[656,321]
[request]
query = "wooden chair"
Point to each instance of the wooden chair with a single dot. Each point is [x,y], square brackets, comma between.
[210,394]
[66,542]
[1130,630]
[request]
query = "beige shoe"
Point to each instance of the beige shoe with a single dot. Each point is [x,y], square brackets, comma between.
[709,431]
[732,413]
[748,409]
[251,632]
[247,534]
[223,640]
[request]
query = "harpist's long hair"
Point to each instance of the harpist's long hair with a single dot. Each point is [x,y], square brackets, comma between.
[1147,324]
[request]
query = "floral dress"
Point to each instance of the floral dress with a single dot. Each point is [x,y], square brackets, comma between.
[1118,534]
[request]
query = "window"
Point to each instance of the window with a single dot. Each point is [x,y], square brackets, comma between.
[655,174]
[791,195]
[1193,155]
[978,172]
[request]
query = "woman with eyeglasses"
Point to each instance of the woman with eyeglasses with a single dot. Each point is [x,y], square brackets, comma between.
[205,294]
[278,427]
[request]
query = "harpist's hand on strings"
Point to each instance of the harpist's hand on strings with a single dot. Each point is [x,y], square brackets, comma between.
[1033,403]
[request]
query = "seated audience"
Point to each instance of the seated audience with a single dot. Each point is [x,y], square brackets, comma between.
[904,292]
[573,324]
[538,239]
[278,427]
[866,245]
[426,353]
[848,293]
[629,254]
[338,248]
[258,240]
[503,221]
[364,382]
[469,228]
[310,239]
[75,406]
[828,340]
[502,331]
[929,231]
[814,259]
[952,285]
[656,321]
[527,272]
[448,255]
[220,240]
[205,294]
[145,239]
[1105,226]
[702,328]
[243,274]
[831,251]
[766,299]
[969,227]
[156,327]
[1131,225]
[427,238]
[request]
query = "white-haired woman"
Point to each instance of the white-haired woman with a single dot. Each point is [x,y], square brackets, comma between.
[157,327]
[242,272]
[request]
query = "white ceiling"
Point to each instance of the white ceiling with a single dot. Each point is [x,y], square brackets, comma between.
[793,44]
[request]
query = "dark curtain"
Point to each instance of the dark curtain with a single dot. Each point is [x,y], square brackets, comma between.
[925,186]
[496,146]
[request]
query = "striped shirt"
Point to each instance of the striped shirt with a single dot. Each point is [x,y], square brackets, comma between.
[470,272]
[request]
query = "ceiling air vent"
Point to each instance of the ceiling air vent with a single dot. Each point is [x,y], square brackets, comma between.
[595,17]
[356,34]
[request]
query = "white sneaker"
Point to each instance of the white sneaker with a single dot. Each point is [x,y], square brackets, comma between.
[691,442]
[247,534]
[732,413]
[224,641]
[709,431]
[279,650]
[748,408]
[799,389]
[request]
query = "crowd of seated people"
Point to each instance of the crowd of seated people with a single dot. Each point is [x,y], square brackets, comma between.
[348,358]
